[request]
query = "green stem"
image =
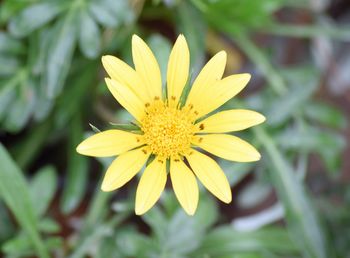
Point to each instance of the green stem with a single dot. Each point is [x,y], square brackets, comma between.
[308,31]
[258,57]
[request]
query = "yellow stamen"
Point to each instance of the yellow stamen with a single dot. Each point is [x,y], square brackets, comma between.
[168,131]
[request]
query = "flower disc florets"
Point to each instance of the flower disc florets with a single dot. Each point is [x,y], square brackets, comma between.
[168,131]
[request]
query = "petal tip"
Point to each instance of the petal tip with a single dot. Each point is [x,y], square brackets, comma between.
[80,148]
[261,119]
[222,54]
[256,156]
[106,185]
[105,59]
[139,211]
[246,76]
[227,197]
[190,212]
[135,39]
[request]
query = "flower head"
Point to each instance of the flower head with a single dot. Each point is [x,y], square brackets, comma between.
[171,128]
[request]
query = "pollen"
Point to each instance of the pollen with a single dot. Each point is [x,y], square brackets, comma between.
[168,131]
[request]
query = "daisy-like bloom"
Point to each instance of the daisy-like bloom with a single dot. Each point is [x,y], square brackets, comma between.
[171,128]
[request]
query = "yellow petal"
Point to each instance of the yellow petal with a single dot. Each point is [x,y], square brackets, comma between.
[185,185]
[178,67]
[228,147]
[209,75]
[109,143]
[219,93]
[124,74]
[151,186]
[146,66]
[210,174]
[229,121]
[126,98]
[123,168]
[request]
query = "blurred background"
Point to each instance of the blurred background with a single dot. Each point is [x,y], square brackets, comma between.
[295,202]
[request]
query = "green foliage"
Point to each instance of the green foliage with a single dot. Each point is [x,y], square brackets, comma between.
[52,88]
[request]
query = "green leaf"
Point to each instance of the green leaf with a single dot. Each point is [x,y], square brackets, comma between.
[302,218]
[60,53]
[34,17]
[6,223]
[326,143]
[133,244]
[102,15]
[9,45]
[8,92]
[43,105]
[182,235]
[42,189]
[95,233]
[76,179]
[125,127]
[326,114]
[235,172]
[79,88]
[90,36]
[21,108]
[18,246]
[326,29]
[49,226]
[225,240]
[14,191]
[110,13]
[285,106]
[156,219]
[8,65]
[9,8]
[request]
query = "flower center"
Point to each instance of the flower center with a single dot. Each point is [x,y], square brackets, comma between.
[168,131]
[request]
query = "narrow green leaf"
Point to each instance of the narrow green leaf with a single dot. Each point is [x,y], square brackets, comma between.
[110,13]
[6,223]
[34,17]
[90,36]
[284,107]
[326,114]
[48,225]
[60,53]
[7,91]
[182,235]
[125,127]
[102,15]
[78,90]
[42,188]
[18,246]
[9,65]
[9,45]
[10,8]
[131,243]
[302,218]
[21,108]
[76,179]
[225,240]
[14,191]
[235,172]
[309,31]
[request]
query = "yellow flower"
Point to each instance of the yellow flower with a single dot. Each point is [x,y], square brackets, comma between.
[170,131]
